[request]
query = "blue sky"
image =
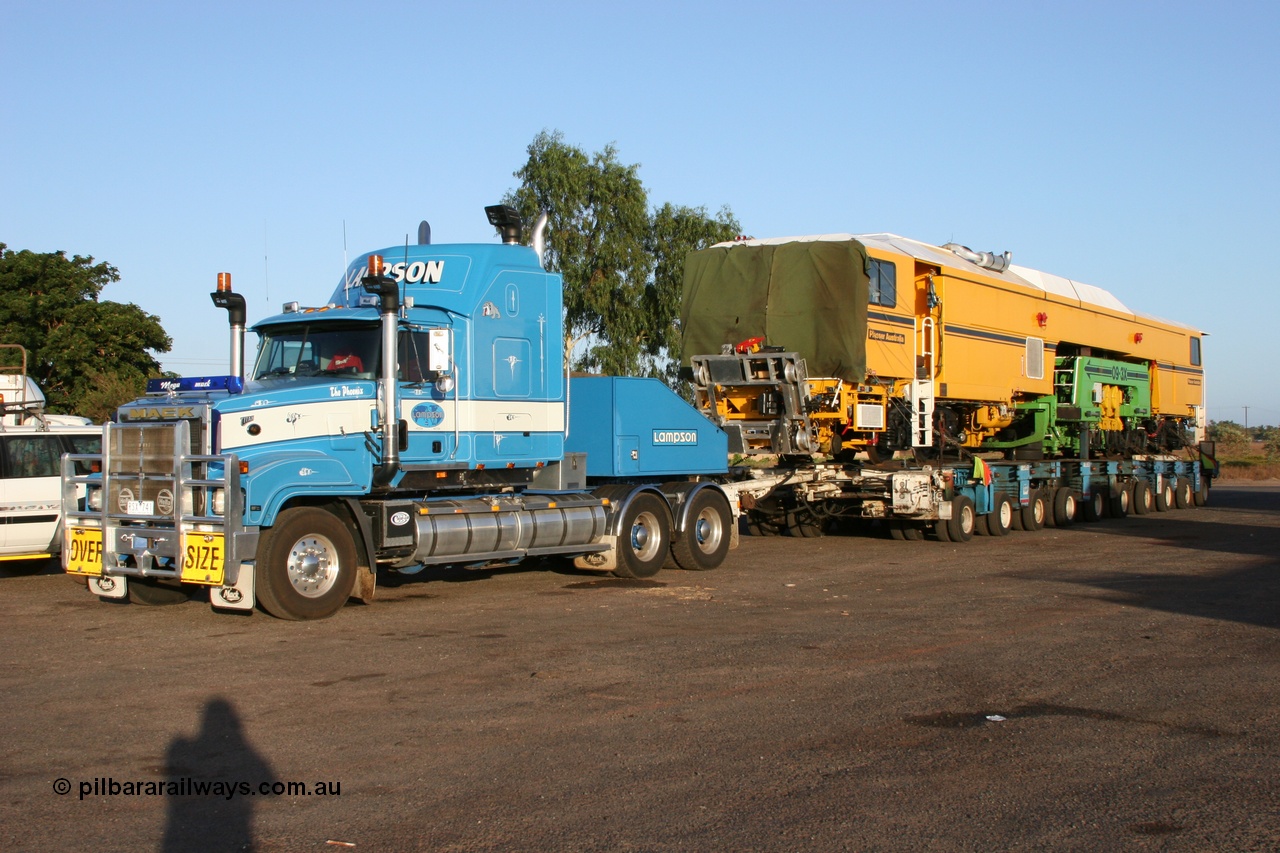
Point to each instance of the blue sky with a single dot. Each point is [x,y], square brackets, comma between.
[1127,145]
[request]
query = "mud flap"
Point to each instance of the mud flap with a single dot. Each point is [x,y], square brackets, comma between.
[109,587]
[366,583]
[238,596]
[600,561]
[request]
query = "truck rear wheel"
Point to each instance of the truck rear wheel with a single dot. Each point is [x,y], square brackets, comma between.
[1093,507]
[1120,499]
[644,538]
[704,542]
[1164,495]
[306,565]
[1201,496]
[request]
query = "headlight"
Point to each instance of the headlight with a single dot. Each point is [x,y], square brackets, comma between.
[219,502]
[93,499]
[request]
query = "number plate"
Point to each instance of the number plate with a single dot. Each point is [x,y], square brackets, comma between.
[84,551]
[204,558]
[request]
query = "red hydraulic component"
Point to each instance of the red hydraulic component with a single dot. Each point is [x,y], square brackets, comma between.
[749,345]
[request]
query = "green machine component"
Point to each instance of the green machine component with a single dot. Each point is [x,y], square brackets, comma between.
[1103,398]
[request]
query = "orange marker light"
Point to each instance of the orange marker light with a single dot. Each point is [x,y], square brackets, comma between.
[375,265]
[224,282]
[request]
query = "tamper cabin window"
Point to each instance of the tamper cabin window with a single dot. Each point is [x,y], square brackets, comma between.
[884,283]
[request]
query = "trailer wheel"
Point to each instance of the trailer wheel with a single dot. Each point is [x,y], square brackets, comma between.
[759,524]
[1142,502]
[1033,514]
[155,594]
[1182,497]
[963,519]
[802,523]
[1201,495]
[644,537]
[1164,495]
[704,542]
[1120,501]
[306,565]
[1093,507]
[1000,519]
[1064,507]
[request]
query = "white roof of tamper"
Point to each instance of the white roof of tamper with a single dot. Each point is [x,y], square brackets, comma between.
[1066,288]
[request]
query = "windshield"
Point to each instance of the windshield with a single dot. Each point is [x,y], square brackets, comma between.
[318,350]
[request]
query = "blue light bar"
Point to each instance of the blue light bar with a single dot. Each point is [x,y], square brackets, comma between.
[230,384]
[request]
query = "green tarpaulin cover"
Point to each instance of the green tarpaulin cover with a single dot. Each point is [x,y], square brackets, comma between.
[808,297]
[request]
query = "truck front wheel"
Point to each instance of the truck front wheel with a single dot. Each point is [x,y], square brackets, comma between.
[306,565]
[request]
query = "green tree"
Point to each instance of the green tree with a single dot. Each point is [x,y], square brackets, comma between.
[78,348]
[622,264]
[1229,434]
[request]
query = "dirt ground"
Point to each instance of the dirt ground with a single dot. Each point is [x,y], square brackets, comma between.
[1102,686]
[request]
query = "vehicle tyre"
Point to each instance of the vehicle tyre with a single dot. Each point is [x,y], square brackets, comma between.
[1094,507]
[1201,495]
[942,530]
[980,526]
[1050,501]
[704,542]
[896,531]
[759,524]
[912,532]
[963,519]
[1142,501]
[1000,519]
[1064,507]
[155,594]
[1119,503]
[306,565]
[1033,514]
[1164,495]
[802,523]
[1182,496]
[644,537]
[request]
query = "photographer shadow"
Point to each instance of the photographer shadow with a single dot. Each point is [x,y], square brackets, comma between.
[213,782]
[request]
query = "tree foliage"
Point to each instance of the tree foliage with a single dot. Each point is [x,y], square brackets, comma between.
[622,263]
[1228,433]
[88,356]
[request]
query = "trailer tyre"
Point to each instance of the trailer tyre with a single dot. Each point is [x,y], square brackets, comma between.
[963,519]
[1142,502]
[1201,495]
[1120,502]
[306,565]
[1093,507]
[1064,507]
[1000,519]
[1182,496]
[1033,514]
[644,537]
[1164,495]
[704,542]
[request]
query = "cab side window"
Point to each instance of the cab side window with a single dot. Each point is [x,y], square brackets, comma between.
[1195,352]
[884,282]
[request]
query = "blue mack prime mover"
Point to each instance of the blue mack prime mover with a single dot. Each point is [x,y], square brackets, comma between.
[424,416]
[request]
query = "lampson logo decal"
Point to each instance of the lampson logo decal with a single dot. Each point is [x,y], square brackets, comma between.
[427,415]
[675,436]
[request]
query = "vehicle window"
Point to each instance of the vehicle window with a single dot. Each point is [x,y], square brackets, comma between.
[32,455]
[1195,351]
[884,282]
[318,350]
[84,444]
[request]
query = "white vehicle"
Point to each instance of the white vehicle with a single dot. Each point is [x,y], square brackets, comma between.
[32,444]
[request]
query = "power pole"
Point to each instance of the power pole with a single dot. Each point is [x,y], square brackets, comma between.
[1246,418]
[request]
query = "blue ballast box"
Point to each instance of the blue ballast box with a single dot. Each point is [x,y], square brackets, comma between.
[641,428]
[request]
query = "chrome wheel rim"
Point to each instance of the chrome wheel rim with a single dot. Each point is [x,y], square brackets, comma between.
[313,566]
